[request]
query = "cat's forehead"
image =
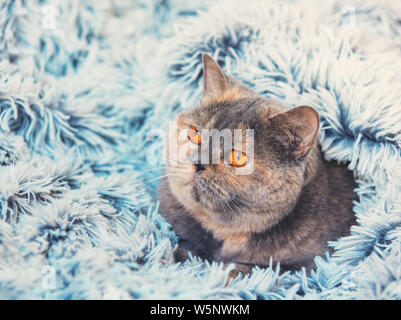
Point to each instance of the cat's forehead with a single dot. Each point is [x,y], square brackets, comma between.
[244,113]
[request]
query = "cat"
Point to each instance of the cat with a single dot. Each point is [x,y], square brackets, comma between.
[287,208]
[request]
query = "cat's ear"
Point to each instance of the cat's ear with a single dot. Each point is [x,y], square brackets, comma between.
[215,81]
[300,126]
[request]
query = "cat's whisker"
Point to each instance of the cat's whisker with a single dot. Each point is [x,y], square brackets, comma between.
[238,204]
[228,205]
[151,169]
[161,177]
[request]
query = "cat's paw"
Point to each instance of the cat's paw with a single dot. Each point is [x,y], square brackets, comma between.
[180,255]
[240,269]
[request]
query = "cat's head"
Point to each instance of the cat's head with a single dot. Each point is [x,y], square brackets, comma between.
[260,175]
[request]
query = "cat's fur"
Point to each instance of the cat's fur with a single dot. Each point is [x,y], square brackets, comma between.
[287,208]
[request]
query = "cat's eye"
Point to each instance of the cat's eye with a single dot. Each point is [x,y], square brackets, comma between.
[194,135]
[238,158]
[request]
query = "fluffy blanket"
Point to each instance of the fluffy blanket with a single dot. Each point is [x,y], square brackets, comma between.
[84,85]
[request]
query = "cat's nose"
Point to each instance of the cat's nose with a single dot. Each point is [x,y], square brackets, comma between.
[199,167]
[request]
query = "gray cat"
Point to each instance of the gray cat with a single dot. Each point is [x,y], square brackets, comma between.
[288,207]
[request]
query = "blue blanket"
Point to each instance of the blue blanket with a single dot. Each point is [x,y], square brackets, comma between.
[84,85]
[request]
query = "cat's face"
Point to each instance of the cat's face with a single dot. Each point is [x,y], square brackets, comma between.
[261,172]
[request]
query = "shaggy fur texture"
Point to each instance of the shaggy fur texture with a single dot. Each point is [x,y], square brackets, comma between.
[80,97]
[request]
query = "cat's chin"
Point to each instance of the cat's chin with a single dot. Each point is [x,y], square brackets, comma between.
[212,205]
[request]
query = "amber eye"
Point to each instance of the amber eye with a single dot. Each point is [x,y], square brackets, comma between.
[194,135]
[238,158]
